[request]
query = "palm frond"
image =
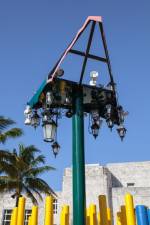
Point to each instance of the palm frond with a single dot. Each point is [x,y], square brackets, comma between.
[34,172]
[9,169]
[7,184]
[40,185]
[30,195]
[5,154]
[38,194]
[28,153]
[20,170]
[39,159]
[12,133]
[5,123]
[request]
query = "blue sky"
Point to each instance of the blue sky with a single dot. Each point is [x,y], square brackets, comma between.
[33,34]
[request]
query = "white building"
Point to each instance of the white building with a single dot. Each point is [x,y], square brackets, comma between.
[113,180]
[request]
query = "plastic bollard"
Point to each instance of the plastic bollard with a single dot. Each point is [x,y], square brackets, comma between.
[93,215]
[15,214]
[48,211]
[103,209]
[130,210]
[123,215]
[148,213]
[30,220]
[12,217]
[66,212]
[21,211]
[119,220]
[141,215]
[64,216]
[88,216]
[98,218]
[109,216]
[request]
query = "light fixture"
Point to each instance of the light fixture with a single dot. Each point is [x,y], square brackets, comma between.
[93,76]
[67,99]
[110,123]
[28,119]
[49,128]
[108,115]
[69,113]
[96,122]
[121,131]
[109,86]
[49,98]
[28,110]
[35,119]
[68,96]
[55,148]
[121,114]
[60,72]
[95,115]
[95,129]
[109,110]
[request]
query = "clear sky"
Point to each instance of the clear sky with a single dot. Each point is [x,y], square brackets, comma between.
[33,34]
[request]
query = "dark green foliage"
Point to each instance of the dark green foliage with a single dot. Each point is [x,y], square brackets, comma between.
[5,123]
[21,171]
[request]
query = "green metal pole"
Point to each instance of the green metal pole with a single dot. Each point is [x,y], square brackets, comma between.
[78,170]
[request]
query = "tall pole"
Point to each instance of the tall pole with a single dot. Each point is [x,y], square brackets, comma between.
[78,170]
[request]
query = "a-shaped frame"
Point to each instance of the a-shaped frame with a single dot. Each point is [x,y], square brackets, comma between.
[86,54]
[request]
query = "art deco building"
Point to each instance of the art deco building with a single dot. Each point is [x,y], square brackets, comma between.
[113,180]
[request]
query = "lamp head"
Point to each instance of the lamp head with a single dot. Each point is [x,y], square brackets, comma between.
[93,76]
[55,148]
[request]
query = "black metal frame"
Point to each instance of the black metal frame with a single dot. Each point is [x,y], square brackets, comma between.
[87,54]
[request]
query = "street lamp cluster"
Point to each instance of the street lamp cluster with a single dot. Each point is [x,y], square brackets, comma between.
[57,97]
[56,101]
[49,123]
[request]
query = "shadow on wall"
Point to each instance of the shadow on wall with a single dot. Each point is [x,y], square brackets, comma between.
[115,182]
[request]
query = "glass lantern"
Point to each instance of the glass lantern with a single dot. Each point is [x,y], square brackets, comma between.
[95,129]
[35,120]
[49,130]
[55,148]
[121,131]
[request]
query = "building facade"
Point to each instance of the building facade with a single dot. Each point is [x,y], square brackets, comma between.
[113,180]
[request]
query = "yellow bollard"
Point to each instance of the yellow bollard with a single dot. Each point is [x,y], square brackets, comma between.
[93,215]
[30,220]
[34,218]
[119,221]
[66,212]
[64,216]
[49,211]
[109,216]
[12,217]
[103,209]
[130,210]
[15,213]
[21,210]
[88,216]
[123,215]
[98,218]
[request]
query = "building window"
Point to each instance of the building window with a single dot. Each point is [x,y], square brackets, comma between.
[55,206]
[130,184]
[27,214]
[7,216]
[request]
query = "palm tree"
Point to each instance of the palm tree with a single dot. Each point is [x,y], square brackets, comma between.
[4,133]
[20,173]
